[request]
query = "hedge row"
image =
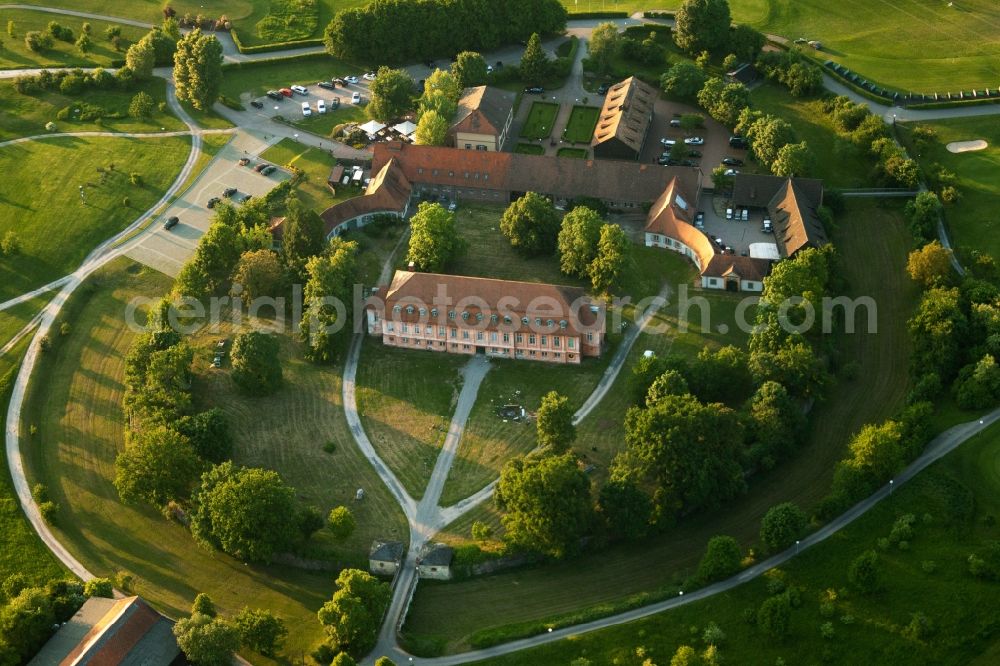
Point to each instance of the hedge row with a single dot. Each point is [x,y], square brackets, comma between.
[573,16]
[303,57]
[276,46]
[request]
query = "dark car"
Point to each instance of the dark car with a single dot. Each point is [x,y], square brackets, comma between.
[534,90]
[329,85]
[603,90]
[213,201]
[665,160]
[275,95]
[256,104]
[429,64]
[171,222]
[260,167]
[694,153]
[269,169]
[732,161]
[688,163]
[738,142]
[229,192]
[340,82]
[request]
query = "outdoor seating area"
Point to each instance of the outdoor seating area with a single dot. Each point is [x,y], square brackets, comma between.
[378,132]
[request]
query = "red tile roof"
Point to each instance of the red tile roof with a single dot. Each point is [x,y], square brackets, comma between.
[671,215]
[389,190]
[483,110]
[745,268]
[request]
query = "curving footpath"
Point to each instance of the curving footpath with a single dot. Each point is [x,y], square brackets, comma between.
[101,255]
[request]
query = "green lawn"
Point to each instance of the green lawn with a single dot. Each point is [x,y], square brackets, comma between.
[15,55]
[541,118]
[12,320]
[873,242]
[581,124]
[315,165]
[490,254]
[406,399]
[54,230]
[75,399]
[838,162]
[955,503]
[529,149]
[26,115]
[577,153]
[973,221]
[257,78]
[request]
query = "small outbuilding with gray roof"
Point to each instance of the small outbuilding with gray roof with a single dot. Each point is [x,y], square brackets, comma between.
[435,561]
[384,557]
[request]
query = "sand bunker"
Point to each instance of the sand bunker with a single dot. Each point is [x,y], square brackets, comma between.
[966,146]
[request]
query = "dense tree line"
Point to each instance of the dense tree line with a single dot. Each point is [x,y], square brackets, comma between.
[799,75]
[382,32]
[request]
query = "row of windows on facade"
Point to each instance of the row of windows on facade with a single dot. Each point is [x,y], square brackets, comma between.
[493,350]
[452,314]
[451,174]
[494,336]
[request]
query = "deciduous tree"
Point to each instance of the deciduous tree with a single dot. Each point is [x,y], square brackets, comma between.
[256,365]
[246,512]
[722,559]
[141,105]
[577,241]
[198,69]
[258,274]
[782,525]
[207,641]
[683,80]
[865,572]
[434,241]
[352,617]
[614,255]
[930,265]
[793,159]
[546,503]
[469,69]
[605,43]
[625,508]
[554,423]
[341,522]
[260,630]
[141,58]
[531,224]
[330,282]
[156,466]
[391,94]
[702,25]
[534,63]
[432,129]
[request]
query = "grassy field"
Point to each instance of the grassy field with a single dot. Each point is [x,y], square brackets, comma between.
[21,551]
[76,401]
[489,253]
[955,502]
[576,153]
[26,115]
[838,162]
[15,55]
[581,123]
[972,221]
[406,413]
[12,320]
[315,165]
[257,78]
[873,242]
[54,230]
[541,118]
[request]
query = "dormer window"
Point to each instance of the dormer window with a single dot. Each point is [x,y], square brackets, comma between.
[397,308]
[494,318]
[434,312]
[451,314]
[465,316]
[562,323]
[409,309]
[524,320]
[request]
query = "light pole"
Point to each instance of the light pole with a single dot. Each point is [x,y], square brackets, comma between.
[83,196]
[796,546]
[890,487]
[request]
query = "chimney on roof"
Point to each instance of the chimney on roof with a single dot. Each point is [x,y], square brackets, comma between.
[412,267]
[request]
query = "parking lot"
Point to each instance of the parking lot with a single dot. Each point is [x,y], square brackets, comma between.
[716,138]
[290,108]
[167,250]
[736,234]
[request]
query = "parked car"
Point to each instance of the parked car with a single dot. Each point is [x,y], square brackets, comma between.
[287,92]
[694,141]
[171,223]
[534,90]
[229,192]
[489,69]
[302,90]
[699,220]
[694,153]
[340,82]
[688,163]
[335,103]
[260,167]
[320,106]
[676,122]
[213,201]
[306,111]
[268,170]
[731,172]
[767,227]
[356,98]
[275,95]
[746,214]
[738,142]
[732,161]
[369,76]
[667,142]
[603,89]
[353,80]
[257,104]
[429,64]
[718,241]
[729,213]
[328,85]
[453,205]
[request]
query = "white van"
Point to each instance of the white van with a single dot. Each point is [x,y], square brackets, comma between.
[306,111]
[321,106]
[356,98]
[729,213]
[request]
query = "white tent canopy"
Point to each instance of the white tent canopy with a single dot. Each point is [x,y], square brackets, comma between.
[406,128]
[372,127]
[764,251]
